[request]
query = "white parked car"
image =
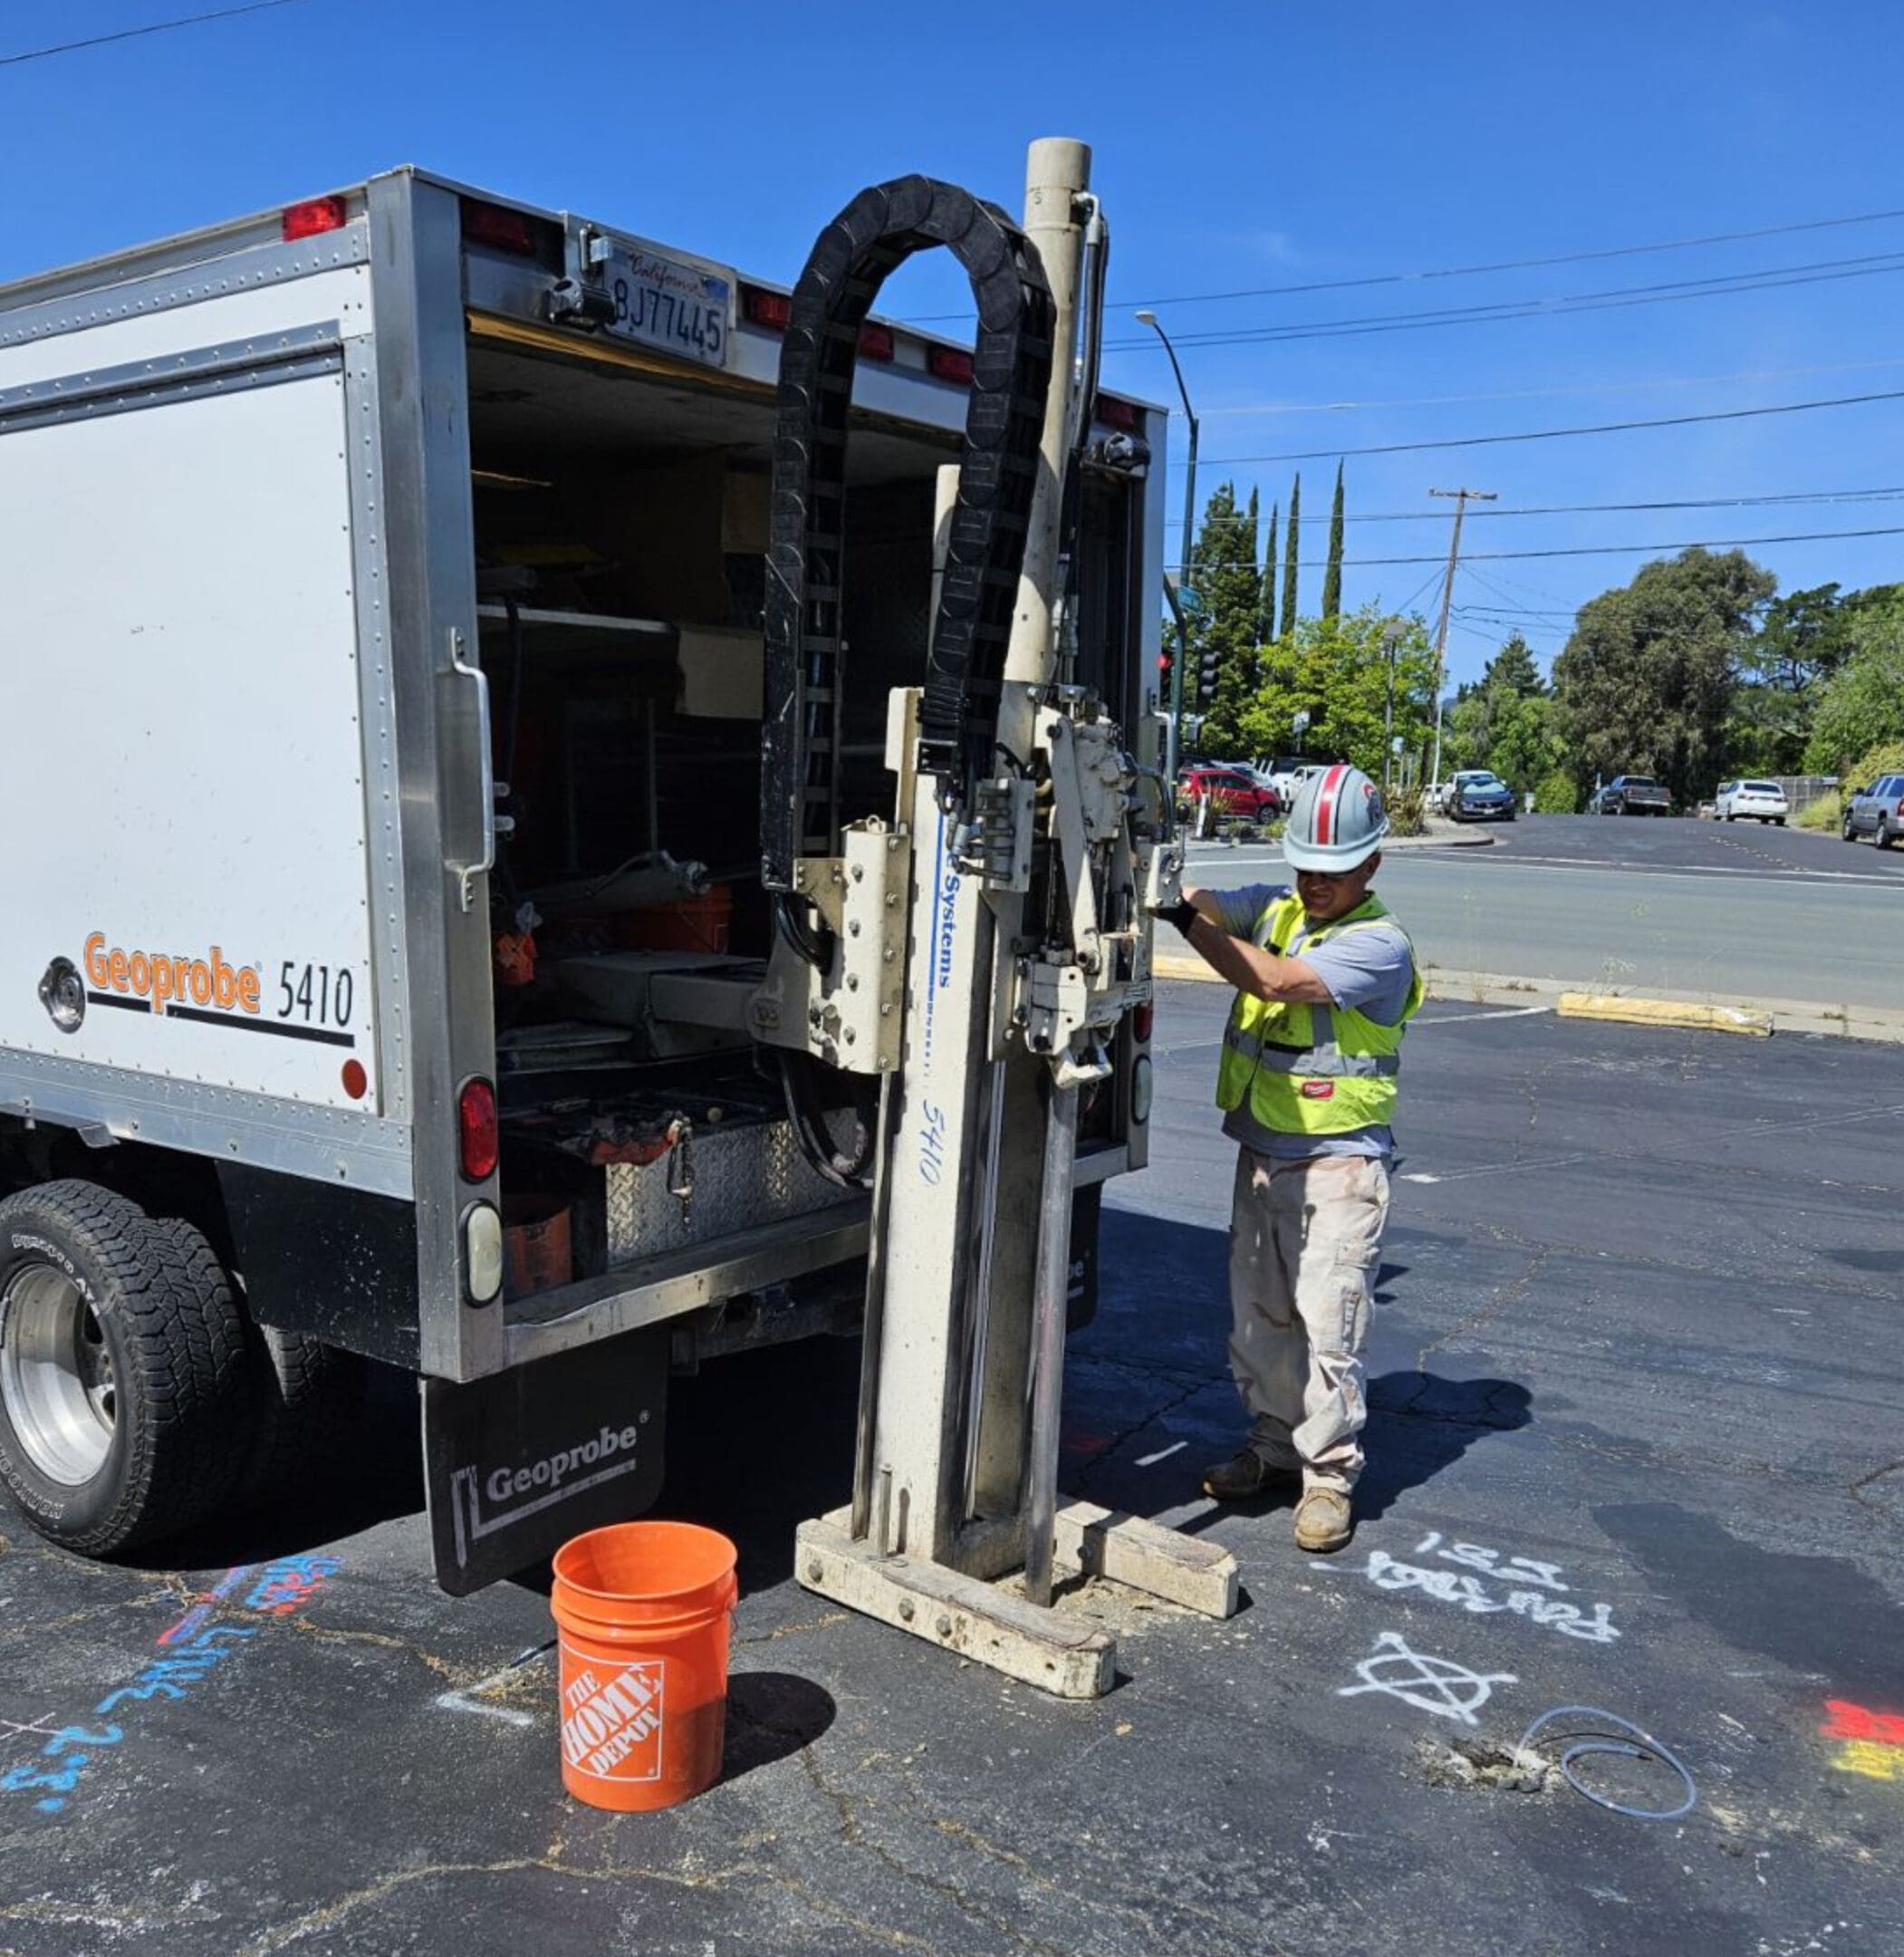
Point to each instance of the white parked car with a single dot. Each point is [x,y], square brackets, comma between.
[1763,801]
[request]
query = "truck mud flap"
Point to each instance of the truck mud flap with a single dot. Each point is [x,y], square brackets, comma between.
[516,1464]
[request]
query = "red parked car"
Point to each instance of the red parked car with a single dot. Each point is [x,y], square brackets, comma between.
[1233,792]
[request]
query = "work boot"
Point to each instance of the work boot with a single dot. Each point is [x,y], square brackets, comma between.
[1244,1476]
[1322,1520]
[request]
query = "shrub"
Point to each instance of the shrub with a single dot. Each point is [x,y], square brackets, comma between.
[1405,813]
[1822,814]
[1886,759]
[1556,794]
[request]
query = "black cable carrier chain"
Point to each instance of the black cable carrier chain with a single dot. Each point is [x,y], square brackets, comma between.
[998,467]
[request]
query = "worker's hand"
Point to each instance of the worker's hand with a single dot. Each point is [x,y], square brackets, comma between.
[1182,914]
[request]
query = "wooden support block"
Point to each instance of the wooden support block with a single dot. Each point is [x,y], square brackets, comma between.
[1181,1569]
[989,1626]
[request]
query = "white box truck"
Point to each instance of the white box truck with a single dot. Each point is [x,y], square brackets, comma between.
[381,581]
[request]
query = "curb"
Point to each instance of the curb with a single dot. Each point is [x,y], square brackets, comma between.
[1692,1017]
[1499,988]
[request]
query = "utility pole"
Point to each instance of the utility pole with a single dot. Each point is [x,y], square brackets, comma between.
[1462,497]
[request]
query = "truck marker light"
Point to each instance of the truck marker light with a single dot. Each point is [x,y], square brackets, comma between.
[357,1083]
[949,363]
[495,225]
[1143,1088]
[483,1252]
[478,1144]
[1142,1018]
[312,218]
[761,307]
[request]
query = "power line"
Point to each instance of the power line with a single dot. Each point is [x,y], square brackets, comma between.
[136,34]
[1615,298]
[1604,550]
[1542,393]
[1503,265]
[1888,495]
[1597,428]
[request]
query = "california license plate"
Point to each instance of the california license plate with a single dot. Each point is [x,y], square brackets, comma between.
[679,309]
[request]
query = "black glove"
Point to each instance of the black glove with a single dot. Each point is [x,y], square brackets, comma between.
[1182,914]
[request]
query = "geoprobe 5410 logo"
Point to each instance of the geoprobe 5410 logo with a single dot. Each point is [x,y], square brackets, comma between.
[314,1002]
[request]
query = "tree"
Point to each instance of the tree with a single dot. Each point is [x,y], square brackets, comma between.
[1506,721]
[1645,683]
[1804,638]
[1333,576]
[1513,668]
[1335,670]
[1266,630]
[1288,622]
[1223,573]
[1861,705]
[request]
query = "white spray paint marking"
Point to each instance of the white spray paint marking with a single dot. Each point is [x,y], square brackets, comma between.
[1462,1018]
[1592,1623]
[465,1700]
[1435,1685]
[1420,1175]
[1151,1460]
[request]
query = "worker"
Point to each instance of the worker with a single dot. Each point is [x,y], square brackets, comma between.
[1326,983]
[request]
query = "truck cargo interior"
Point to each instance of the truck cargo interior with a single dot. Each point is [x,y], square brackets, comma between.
[621,532]
[621,517]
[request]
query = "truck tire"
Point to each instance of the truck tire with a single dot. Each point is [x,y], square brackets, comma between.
[308,1398]
[124,1408]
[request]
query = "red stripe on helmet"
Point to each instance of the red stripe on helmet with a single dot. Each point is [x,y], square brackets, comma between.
[1325,801]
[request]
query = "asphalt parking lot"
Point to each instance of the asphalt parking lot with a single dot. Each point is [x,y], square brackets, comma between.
[1637,1443]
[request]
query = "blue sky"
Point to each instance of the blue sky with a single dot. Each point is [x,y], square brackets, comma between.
[1237,148]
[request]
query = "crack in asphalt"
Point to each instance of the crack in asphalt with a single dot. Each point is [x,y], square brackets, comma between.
[1149,1419]
[1506,1295]
[327,1915]
[854,1834]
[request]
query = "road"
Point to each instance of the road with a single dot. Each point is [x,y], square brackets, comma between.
[1730,910]
[1637,1414]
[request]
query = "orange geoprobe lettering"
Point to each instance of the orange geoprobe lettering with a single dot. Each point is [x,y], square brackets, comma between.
[164,978]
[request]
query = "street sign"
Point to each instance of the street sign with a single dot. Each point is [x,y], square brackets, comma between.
[1300,721]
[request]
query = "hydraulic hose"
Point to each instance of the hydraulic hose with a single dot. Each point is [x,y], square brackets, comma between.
[1011,373]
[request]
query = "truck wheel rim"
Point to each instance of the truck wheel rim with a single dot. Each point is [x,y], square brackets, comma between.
[56,1376]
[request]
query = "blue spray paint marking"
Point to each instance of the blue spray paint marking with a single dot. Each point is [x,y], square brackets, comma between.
[192,1648]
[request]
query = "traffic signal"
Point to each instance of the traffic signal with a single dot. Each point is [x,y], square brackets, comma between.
[1206,678]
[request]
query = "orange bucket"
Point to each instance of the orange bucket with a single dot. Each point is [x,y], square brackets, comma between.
[643,1611]
[537,1252]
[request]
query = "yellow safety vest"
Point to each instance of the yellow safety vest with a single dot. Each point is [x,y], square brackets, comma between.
[1316,1070]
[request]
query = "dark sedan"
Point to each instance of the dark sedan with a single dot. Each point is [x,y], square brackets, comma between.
[1472,796]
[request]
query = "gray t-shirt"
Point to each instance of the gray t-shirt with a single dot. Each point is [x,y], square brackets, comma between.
[1370,970]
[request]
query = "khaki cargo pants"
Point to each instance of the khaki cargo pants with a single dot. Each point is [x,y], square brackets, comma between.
[1305,1238]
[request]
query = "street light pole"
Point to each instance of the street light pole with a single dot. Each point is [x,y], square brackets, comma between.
[1184,548]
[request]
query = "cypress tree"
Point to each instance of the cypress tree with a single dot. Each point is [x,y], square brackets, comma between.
[1333,576]
[1288,623]
[1266,626]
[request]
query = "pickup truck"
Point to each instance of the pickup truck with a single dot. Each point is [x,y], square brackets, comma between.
[1632,794]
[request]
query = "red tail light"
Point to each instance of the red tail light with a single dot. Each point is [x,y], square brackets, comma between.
[1142,1018]
[477,1140]
[876,343]
[949,363]
[1118,414]
[312,218]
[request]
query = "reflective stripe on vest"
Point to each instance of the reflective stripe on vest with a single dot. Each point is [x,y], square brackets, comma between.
[1313,1070]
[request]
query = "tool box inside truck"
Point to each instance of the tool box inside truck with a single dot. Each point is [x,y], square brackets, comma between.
[384,970]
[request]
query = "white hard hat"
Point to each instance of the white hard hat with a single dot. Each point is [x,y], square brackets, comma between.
[1338,820]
